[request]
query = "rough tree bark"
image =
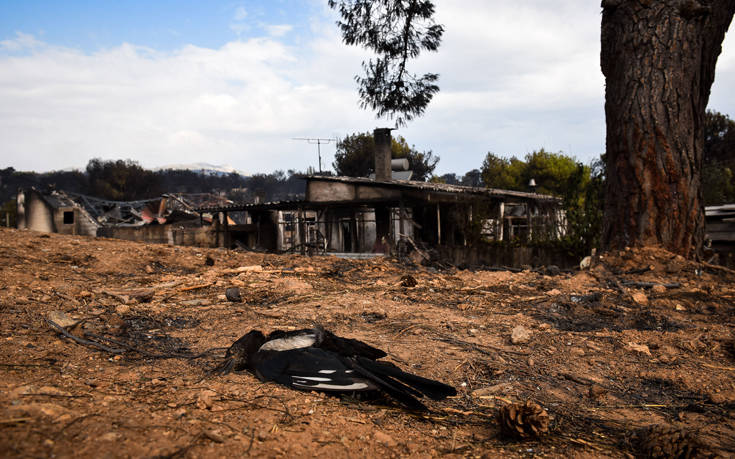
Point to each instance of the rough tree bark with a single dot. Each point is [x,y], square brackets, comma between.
[658,58]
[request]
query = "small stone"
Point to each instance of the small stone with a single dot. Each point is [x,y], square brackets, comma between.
[658,288]
[639,297]
[585,263]
[61,319]
[122,309]
[110,436]
[501,388]
[596,391]
[149,269]
[520,335]
[233,295]
[577,351]
[642,348]
[204,401]
[214,435]
[197,302]
[385,439]
[679,307]
[553,292]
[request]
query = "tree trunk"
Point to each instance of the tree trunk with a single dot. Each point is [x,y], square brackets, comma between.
[658,58]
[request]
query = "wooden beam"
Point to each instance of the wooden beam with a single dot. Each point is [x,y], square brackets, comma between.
[438,226]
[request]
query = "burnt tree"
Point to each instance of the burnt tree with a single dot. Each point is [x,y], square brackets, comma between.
[658,58]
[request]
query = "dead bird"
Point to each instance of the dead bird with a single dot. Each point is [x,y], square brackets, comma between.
[317,359]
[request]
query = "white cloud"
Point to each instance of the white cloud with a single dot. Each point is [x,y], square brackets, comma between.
[240,13]
[514,78]
[238,104]
[21,42]
[278,30]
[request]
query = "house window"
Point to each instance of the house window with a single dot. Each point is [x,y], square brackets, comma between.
[68,217]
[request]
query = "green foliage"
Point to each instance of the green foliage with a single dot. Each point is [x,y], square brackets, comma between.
[355,157]
[470,178]
[584,199]
[12,180]
[719,137]
[581,188]
[502,173]
[718,186]
[553,172]
[121,180]
[396,30]
[718,183]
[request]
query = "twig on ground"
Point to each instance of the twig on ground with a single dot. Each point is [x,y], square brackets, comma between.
[72,422]
[650,284]
[83,341]
[14,420]
[195,287]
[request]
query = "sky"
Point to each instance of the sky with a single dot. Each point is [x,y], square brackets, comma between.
[235,82]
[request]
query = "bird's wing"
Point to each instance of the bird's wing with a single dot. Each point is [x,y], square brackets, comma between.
[310,369]
[347,347]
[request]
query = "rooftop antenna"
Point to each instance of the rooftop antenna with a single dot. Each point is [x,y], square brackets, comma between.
[318,142]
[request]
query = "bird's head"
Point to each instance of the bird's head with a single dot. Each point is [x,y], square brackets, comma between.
[237,357]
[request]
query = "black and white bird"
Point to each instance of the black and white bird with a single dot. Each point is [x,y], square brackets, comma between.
[316,359]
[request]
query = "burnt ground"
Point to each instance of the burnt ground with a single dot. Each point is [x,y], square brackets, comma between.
[604,356]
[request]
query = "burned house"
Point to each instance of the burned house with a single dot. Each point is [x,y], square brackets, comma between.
[53,212]
[168,219]
[388,213]
[364,217]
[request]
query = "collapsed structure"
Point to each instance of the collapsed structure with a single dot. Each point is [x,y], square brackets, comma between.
[168,219]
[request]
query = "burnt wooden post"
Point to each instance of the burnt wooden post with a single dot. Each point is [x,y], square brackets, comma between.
[401,220]
[227,230]
[302,239]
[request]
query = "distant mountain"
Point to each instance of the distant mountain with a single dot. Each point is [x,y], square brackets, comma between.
[203,168]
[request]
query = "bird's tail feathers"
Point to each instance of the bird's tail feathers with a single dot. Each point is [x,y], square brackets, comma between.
[435,390]
[404,394]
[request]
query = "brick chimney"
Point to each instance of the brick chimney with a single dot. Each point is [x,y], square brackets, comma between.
[382,154]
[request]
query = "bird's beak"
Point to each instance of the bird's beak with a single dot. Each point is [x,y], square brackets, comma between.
[225,367]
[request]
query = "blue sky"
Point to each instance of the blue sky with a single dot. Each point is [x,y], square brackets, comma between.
[163,25]
[233,82]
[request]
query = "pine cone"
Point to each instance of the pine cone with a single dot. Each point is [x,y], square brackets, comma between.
[663,441]
[523,420]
